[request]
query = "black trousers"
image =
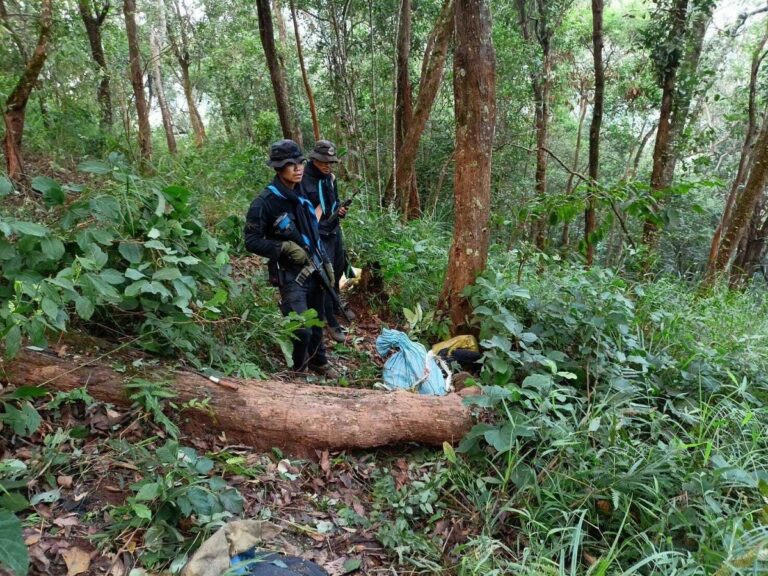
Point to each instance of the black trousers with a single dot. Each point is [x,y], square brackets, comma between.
[334,247]
[308,348]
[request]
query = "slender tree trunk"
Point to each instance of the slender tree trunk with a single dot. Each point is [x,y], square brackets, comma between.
[404,190]
[662,149]
[137,83]
[16,103]
[93,23]
[751,249]
[474,87]
[266,32]
[180,47]
[746,151]
[304,76]
[590,217]
[689,78]
[282,52]
[583,101]
[743,208]
[541,83]
[431,77]
[157,79]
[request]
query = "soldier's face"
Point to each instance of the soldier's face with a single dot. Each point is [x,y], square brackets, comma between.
[324,167]
[292,173]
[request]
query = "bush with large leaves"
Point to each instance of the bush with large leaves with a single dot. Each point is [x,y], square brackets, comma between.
[133,258]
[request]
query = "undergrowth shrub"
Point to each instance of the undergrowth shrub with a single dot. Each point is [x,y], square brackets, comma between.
[132,259]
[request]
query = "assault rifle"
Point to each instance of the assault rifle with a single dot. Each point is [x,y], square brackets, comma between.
[335,216]
[285,227]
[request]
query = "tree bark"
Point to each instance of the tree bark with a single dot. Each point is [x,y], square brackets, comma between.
[590,217]
[297,418]
[137,83]
[474,88]
[93,22]
[565,239]
[662,149]
[282,52]
[404,192]
[16,103]
[432,68]
[180,49]
[266,32]
[743,208]
[157,81]
[304,76]
[746,152]
[537,28]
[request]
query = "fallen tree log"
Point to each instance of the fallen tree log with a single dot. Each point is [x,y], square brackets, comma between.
[297,418]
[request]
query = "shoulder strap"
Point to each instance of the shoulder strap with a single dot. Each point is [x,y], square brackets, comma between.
[276,192]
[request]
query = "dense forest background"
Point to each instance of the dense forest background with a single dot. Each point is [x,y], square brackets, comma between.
[580,184]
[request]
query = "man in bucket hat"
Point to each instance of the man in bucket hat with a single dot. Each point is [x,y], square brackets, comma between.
[319,185]
[279,212]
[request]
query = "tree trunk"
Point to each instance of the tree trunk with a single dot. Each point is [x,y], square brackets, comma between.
[180,49]
[662,149]
[137,83]
[541,84]
[744,207]
[431,77]
[746,151]
[751,250]
[565,239]
[266,32]
[282,52]
[194,116]
[474,88]
[686,85]
[304,76]
[404,191]
[157,79]
[16,104]
[297,418]
[93,23]
[590,217]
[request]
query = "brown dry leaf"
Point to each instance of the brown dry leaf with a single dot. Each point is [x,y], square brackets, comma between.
[32,539]
[77,561]
[71,520]
[64,481]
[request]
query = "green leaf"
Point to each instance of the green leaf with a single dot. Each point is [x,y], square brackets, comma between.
[232,501]
[148,491]
[94,167]
[84,307]
[13,551]
[29,228]
[46,497]
[53,248]
[52,192]
[141,511]
[131,251]
[537,381]
[199,500]
[167,274]
[6,186]
[350,565]
[13,501]
[12,341]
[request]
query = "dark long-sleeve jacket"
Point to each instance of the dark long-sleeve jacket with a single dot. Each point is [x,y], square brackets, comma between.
[322,191]
[261,236]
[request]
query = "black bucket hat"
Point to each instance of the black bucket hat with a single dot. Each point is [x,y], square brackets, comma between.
[324,151]
[284,152]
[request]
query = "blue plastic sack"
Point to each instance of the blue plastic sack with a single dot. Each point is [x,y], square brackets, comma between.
[255,563]
[409,367]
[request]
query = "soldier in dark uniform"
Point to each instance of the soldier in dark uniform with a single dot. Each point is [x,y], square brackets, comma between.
[282,206]
[319,185]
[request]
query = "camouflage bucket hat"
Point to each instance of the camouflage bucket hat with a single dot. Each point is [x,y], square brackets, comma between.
[284,152]
[324,151]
